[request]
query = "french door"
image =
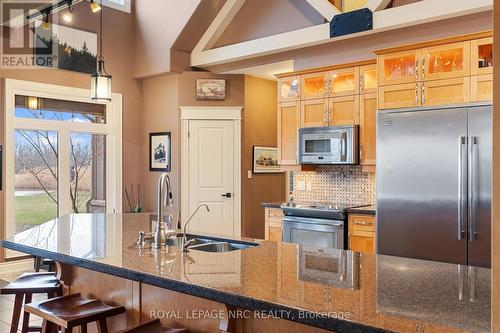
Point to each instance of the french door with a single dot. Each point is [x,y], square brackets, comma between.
[63,154]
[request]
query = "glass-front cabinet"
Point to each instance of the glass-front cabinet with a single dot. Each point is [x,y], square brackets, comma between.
[289,89]
[343,82]
[482,69]
[399,68]
[368,79]
[314,85]
[446,61]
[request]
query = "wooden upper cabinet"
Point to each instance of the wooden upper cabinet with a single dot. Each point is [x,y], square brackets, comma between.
[446,61]
[482,69]
[368,79]
[289,89]
[343,110]
[400,95]
[481,51]
[399,68]
[314,85]
[367,128]
[288,123]
[343,82]
[447,91]
[314,113]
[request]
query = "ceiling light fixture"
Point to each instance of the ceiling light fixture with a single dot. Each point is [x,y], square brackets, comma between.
[68,15]
[100,85]
[94,6]
[46,23]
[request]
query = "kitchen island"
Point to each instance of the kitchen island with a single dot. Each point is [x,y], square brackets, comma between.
[267,287]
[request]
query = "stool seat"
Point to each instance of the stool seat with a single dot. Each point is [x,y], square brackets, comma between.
[34,283]
[154,327]
[73,310]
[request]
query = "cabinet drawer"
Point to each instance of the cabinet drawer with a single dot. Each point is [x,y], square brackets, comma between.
[274,215]
[361,223]
[443,92]
[399,96]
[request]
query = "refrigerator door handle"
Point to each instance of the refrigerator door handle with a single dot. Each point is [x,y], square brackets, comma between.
[462,187]
[472,187]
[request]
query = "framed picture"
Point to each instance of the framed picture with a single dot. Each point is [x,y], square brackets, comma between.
[160,151]
[65,48]
[211,89]
[265,160]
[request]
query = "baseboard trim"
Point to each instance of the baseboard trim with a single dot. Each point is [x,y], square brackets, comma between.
[15,266]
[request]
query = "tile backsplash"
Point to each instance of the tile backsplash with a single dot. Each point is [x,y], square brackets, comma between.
[334,184]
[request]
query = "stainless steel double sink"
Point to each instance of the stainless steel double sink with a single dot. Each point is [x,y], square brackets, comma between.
[211,245]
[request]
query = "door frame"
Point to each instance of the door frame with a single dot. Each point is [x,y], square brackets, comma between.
[189,113]
[14,87]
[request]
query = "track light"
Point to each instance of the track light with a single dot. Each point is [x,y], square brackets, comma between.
[94,6]
[46,23]
[68,15]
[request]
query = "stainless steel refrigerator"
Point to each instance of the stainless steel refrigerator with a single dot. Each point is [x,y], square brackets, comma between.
[434,183]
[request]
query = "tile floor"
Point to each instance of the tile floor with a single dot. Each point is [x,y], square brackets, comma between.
[7,305]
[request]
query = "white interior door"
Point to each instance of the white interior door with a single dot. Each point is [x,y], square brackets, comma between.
[211,177]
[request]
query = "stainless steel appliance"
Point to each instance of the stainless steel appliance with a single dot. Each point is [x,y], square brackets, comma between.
[334,267]
[329,145]
[434,183]
[317,225]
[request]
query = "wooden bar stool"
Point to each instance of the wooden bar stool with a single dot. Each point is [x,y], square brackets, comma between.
[23,288]
[71,311]
[154,326]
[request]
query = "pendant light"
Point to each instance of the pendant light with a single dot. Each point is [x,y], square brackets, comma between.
[100,87]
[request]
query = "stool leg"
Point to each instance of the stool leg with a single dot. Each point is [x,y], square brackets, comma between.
[84,328]
[67,330]
[47,326]
[26,315]
[102,327]
[18,304]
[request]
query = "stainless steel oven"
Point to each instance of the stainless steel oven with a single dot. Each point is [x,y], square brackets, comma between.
[329,145]
[317,232]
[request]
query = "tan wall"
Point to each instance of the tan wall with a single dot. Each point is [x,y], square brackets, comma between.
[119,63]
[259,129]
[161,114]
[260,18]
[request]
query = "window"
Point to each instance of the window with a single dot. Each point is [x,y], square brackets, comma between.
[123,5]
[60,149]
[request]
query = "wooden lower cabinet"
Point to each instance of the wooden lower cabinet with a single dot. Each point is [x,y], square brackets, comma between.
[273,224]
[481,88]
[361,231]
[448,91]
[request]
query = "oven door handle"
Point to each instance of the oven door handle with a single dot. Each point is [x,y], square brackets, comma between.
[314,221]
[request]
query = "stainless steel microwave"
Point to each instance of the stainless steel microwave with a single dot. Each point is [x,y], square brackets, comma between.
[329,145]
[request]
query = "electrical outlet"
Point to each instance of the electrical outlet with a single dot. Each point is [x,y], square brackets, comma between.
[249,174]
[301,185]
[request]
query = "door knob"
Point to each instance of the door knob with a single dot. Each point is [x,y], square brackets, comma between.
[227,195]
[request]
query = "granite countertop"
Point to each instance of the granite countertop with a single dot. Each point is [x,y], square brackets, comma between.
[271,204]
[368,209]
[338,290]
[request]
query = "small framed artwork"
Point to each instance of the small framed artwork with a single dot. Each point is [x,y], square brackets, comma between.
[265,160]
[160,151]
[214,89]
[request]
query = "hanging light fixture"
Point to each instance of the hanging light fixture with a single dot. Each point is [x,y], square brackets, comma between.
[94,6]
[100,87]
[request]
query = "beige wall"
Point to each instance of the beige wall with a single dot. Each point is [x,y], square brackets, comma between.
[160,114]
[157,24]
[258,129]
